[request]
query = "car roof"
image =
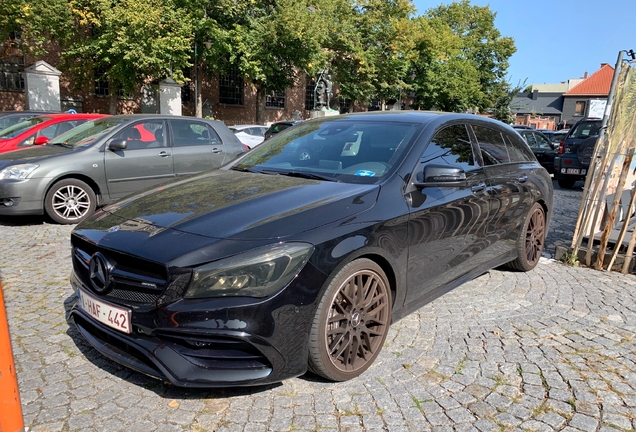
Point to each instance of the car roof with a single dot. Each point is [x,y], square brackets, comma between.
[67,116]
[246,126]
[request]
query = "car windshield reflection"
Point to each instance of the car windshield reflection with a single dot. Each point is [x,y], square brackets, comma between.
[343,150]
[87,133]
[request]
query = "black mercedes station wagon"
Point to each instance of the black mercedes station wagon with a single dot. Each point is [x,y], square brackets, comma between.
[300,254]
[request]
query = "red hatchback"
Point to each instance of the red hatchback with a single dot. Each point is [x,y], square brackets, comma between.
[40,129]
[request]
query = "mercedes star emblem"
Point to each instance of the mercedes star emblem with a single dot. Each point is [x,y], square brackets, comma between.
[100,272]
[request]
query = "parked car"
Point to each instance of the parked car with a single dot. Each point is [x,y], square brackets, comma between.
[276,264]
[575,152]
[108,158]
[40,129]
[543,149]
[250,135]
[559,136]
[9,118]
[280,126]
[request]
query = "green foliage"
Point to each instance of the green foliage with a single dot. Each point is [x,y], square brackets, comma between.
[451,58]
[502,110]
[132,41]
[372,47]
[462,59]
[570,259]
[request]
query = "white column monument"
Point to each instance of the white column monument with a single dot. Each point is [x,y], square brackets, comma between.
[42,87]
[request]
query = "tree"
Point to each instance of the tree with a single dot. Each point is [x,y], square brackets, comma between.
[131,42]
[269,42]
[37,21]
[462,58]
[372,48]
[502,110]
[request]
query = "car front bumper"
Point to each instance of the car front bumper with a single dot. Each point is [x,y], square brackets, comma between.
[213,343]
[22,197]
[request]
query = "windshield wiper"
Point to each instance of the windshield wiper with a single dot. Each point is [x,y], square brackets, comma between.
[61,144]
[300,174]
[237,168]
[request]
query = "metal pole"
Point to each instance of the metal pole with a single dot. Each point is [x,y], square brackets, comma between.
[10,408]
[197,111]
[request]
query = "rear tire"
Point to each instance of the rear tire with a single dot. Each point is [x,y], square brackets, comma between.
[531,240]
[70,201]
[351,323]
[566,183]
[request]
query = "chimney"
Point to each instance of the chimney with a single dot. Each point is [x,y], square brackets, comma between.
[603,64]
[535,94]
[585,75]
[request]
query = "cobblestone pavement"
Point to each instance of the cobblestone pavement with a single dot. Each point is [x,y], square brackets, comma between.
[546,350]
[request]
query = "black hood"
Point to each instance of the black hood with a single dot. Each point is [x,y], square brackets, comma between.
[235,205]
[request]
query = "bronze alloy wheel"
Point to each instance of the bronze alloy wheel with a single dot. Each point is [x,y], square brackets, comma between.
[535,235]
[531,240]
[353,320]
[70,201]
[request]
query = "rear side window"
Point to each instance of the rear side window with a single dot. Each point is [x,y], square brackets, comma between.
[451,146]
[518,150]
[492,146]
[188,133]
[585,129]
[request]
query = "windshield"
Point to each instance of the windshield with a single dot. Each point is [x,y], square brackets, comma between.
[88,132]
[345,150]
[585,129]
[18,128]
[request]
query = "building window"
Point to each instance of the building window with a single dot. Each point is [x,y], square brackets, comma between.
[375,105]
[101,82]
[231,88]
[579,109]
[186,88]
[345,105]
[275,100]
[12,63]
[310,87]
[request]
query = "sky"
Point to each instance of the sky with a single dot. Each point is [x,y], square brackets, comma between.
[559,39]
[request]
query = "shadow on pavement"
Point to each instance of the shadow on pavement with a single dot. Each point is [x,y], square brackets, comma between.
[23,220]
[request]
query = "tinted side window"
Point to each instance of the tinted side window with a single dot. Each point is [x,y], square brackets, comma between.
[542,142]
[143,135]
[214,137]
[492,146]
[451,146]
[529,137]
[518,150]
[188,133]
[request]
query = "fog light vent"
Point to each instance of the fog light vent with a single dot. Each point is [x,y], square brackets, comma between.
[9,202]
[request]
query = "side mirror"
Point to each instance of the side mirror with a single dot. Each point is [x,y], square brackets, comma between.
[41,140]
[119,144]
[440,176]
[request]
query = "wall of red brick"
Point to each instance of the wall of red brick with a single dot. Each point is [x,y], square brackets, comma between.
[244,114]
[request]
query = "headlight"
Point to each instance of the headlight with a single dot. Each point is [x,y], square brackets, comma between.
[256,273]
[18,172]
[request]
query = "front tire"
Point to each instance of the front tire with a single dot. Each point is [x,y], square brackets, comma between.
[531,240]
[70,201]
[351,323]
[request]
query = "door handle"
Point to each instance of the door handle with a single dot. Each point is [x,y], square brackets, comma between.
[163,154]
[478,187]
[523,179]
[217,150]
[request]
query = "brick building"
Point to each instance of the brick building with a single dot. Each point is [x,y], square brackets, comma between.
[229,98]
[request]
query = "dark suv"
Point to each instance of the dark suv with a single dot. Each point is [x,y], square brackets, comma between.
[575,152]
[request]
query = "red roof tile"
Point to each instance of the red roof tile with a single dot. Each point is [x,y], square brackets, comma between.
[596,84]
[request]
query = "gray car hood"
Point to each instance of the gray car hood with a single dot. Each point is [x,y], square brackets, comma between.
[31,154]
